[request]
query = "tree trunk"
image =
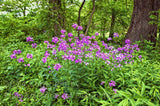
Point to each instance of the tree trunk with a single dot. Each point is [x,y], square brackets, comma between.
[112,23]
[57,15]
[140,28]
[90,18]
[79,15]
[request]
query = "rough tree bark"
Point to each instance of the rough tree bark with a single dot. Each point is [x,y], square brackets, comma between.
[57,15]
[79,15]
[140,28]
[113,19]
[90,18]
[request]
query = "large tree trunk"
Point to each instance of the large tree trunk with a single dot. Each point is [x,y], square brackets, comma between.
[57,15]
[140,28]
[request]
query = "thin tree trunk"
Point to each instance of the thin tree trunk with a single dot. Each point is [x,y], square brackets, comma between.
[112,23]
[90,18]
[79,15]
[140,28]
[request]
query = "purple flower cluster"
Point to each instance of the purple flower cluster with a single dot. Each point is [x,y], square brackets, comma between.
[20,60]
[55,39]
[50,46]
[115,35]
[57,66]
[70,35]
[43,89]
[29,39]
[109,38]
[17,51]
[13,56]
[78,61]
[96,33]
[112,83]
[80,28]
[14,53]
[47,42]
[127,41]
[44,59]
[54,52]
[63,31]
[65,96]
[27,65]
[74,26]
[62,36]
[18,95]
[34,45]
[46,54]
[30,56]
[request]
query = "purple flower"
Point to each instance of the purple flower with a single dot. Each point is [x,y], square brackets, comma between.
[69,39]
[80,28]
[70,35]
[55,39]
[127,41]
[13,56]
[44,59]
[46,54]
[15,52]
[49,71]
[48,66]
[96,33]
[74,26]
[29,39]
[50,46]
[81,35]
[102,82]
[21,100]
[19,51]
[115,90]
[62,36]
[64,96]
[72,44]
[43,89]
[34,45]
[137,49]
[140,56]
[28,64]
[46,42]
[57,66]
[16,94]
[115,35]
[78,61]
[20,59]
[109,38]
[63,31]
[93,37]
[30,56]
[112,83]
[56,96]
[54,51]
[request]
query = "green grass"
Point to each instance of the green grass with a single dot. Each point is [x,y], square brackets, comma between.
[137,84]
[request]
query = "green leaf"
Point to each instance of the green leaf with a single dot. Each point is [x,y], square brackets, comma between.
[2,88]
[143,88]
[123,103]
